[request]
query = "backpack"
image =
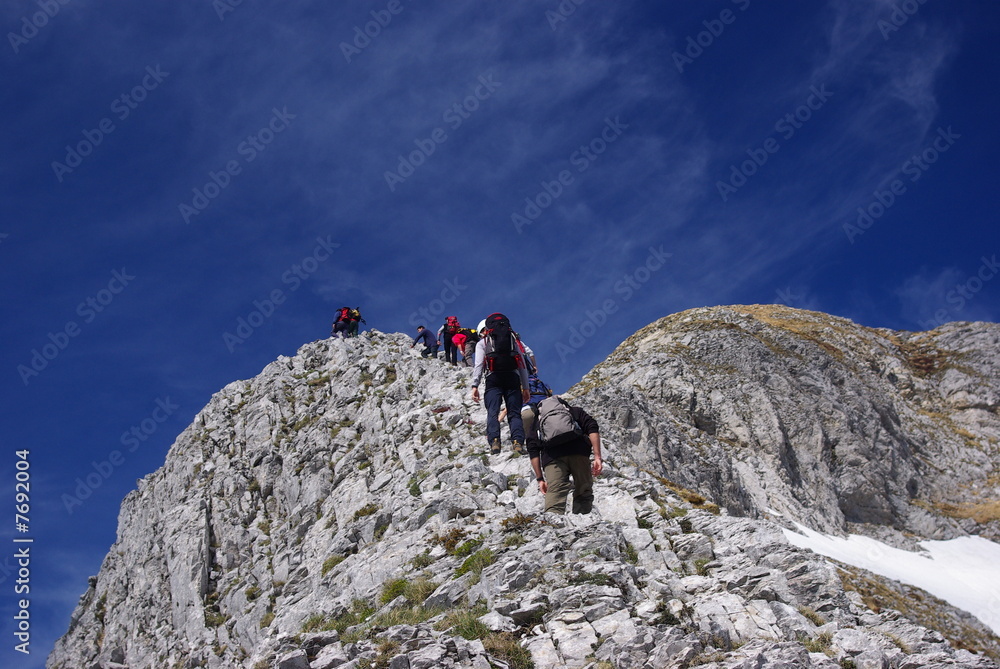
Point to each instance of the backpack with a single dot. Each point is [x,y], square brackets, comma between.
[538,389]
[501,345]
[342,314]
[556,424]
[355,315]
[451,325]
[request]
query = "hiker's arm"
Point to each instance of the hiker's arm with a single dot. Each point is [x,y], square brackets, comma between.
[536,467]
[525,384]
[595,444]
[477,371]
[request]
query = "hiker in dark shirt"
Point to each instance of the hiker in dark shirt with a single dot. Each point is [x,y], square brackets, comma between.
[430,343]
[567,460]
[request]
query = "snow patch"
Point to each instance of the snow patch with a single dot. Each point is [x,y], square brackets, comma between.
[965,572]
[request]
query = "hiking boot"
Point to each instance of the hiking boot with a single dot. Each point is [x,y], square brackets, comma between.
[518,448]
[495,447]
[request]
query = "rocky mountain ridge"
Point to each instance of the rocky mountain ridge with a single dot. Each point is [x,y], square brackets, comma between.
[339,510]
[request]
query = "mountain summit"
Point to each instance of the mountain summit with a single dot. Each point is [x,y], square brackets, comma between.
[339,510]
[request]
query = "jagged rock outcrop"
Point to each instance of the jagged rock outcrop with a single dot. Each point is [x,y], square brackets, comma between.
[773,410]
[338,510]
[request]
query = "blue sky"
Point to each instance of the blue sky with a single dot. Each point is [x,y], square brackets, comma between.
[585,167]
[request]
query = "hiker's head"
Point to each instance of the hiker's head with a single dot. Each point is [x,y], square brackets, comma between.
[419,328]
[481,326]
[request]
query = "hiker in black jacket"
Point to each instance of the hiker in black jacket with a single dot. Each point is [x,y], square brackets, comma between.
[567,460]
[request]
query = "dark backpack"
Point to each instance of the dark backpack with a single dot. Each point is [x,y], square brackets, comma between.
[556,424]
[502,352]
[451,325]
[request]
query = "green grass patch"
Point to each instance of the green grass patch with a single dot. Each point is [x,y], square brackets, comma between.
[422,560]
[476,563]
[469,547]
[507,647]
[358,613]
[465,623]
[415,592]
[330,563]
[514,540]
[366,510]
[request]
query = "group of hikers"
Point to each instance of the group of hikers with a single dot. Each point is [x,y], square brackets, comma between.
[558,438]
[346,322]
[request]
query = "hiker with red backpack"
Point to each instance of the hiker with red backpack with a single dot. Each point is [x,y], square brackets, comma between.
[499,356]
[450,328]
[341,322]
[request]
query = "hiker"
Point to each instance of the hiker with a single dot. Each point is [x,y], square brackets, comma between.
[446,333]
[430,344]
[538,390]
[469,352]
[458,340]
[561,439]
[354,317]
[498,355]
[341,322]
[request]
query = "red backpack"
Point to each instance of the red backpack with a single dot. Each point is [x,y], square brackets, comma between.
[451,325]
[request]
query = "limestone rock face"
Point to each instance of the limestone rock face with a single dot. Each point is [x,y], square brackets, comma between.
[776,411]
[340,509]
